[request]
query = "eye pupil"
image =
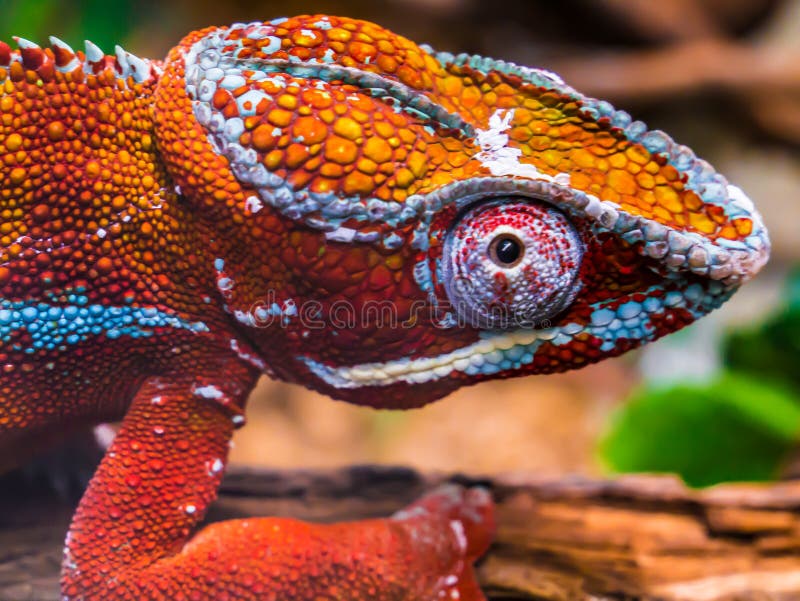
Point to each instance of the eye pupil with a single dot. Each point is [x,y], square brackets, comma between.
[506,250]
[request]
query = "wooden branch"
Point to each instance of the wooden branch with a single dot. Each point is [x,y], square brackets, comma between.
[559,539]
[664,21]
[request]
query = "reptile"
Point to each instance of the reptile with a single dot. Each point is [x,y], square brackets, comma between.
[328,203]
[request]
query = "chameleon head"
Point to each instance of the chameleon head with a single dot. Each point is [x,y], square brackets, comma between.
[395,223]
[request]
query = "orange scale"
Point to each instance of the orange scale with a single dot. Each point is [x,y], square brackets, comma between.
[367,166]
[728,232]
[649,198]
[603,152]
[339,48]
[561,146]
[744,226]
[618,161]
[540,128]
[437,153]
[348,61]
[612,196]
[312,130]
[607,141]
[622,182]
[358,183]
[679,219]
[716,213]
[645,206]
[671,174]
[637,154]
[691,201]
[313,163]
[318,99]
[663,216]
[564,165]
[387,46]
[322,185]
[269,87]
[702,223]
[377,33]
[652,168]
[307,38]
[634,169]
[627,204]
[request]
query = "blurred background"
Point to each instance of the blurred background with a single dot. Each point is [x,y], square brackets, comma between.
[718,401]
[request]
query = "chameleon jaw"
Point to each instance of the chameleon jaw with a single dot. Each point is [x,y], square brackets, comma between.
[611,323]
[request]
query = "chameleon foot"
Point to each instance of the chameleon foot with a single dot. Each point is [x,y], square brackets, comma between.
[131,536]
[470,512]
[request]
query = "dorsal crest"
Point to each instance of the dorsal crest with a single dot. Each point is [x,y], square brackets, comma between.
[59,57]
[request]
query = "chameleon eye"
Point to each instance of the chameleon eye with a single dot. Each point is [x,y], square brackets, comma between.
[511,262]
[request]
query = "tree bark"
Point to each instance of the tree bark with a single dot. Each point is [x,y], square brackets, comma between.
[635,537]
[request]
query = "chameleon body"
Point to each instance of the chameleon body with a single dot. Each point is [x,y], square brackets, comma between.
[329,203]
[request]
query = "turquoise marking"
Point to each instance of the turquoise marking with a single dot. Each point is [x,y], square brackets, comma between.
[55,327]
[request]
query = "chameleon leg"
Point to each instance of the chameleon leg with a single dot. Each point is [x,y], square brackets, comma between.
[130,536]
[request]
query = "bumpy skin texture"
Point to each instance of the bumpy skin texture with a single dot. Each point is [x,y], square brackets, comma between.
[329,203]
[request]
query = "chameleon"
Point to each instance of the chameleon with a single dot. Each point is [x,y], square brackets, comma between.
[328,203]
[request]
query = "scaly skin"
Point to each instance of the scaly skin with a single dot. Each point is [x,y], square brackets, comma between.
[329,203]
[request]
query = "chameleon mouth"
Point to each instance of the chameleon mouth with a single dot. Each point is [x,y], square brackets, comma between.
[489,355]
[495,352]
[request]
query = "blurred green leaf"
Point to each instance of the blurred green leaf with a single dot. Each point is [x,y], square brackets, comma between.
[771,350]
[106,23]
[24,18]
[736,428]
